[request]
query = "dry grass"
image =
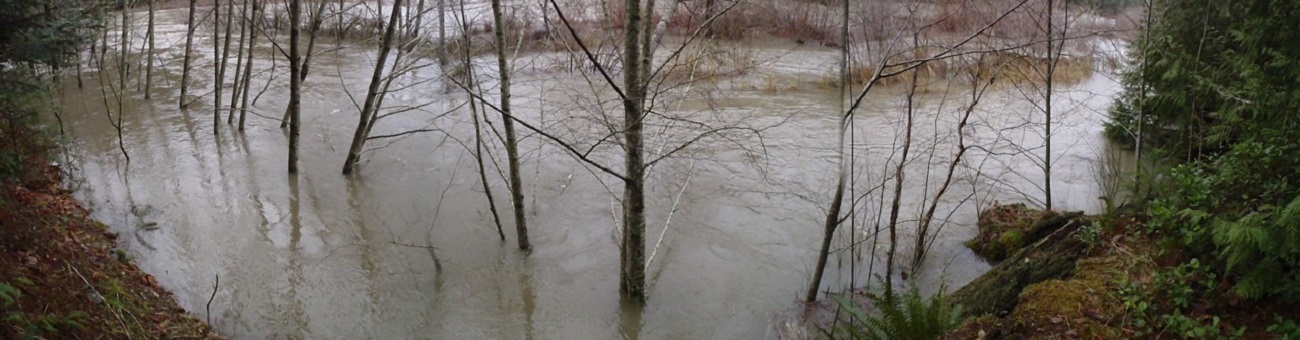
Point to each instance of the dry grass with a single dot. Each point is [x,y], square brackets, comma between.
[1010,68]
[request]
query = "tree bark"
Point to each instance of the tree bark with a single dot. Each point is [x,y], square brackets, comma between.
[123,67]
[306,62]
[372,94]
[189,48]
[295,83]
[218,66]
[633,262]
[512,144]
[148,69]
[1047,109]
[239,63]
[248,68]
[832,221]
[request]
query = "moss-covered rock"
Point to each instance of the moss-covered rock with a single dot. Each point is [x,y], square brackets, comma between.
[1005,229]
[1002,229]
[1083,305]
[1052,256]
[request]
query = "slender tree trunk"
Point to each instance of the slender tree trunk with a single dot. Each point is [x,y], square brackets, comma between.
[316,20]
[512,145]
[123,67]
[927,219]
[633,262]
[471,82]
[899,174]
[295,83]
[711,7]
[1047,110]
[248,68]
[238,83]
[372,94]
[1141,104]
[218,66]
[832,221]
[306,63]
[148,69]
[189,48]
[442,34]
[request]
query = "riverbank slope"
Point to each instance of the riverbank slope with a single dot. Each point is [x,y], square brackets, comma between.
[60,274]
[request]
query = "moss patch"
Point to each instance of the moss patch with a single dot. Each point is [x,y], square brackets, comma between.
[1002,229]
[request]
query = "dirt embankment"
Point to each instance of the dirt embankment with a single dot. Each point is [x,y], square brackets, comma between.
[60,274]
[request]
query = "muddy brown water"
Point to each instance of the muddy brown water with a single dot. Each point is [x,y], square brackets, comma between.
[406,248]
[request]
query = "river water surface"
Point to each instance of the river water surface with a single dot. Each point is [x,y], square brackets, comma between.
[407,247]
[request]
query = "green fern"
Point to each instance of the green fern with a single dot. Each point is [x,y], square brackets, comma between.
[1260,247]
[906,316]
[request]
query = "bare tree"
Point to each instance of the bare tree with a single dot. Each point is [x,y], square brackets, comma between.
[468,67]
[248,68]
[316,21]
[295,83]
[189,48]
[832,221]
[238,83]
[123,67]
[371,107]
[148,69]
[893,63]
[979,83]
[512,144]
[219,61]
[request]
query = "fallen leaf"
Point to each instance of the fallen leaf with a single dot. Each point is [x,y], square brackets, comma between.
[1057,319]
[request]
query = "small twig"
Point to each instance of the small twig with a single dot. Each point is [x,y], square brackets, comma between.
[669,220]
[117,315]
[412,245]
[208,308]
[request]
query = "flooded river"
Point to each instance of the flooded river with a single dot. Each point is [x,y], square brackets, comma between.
[407,247]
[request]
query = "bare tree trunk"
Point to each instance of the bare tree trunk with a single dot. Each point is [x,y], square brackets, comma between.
[370,107]
[1047,109]
[470,83]
[248,69]
[899,173]
[633,283]
[977,92]
[148,69]
[124,68]
[238,82]
[295,83]
[316,20]
[189,48]
[832,221]
[306,63]
[1140,106]
[512,145]
[442,34]
[218,65]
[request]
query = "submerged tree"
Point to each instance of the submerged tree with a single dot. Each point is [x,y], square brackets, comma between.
[894,62]
[370,109]
[295,84]
[148,69]
[189,49]
[512,143]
